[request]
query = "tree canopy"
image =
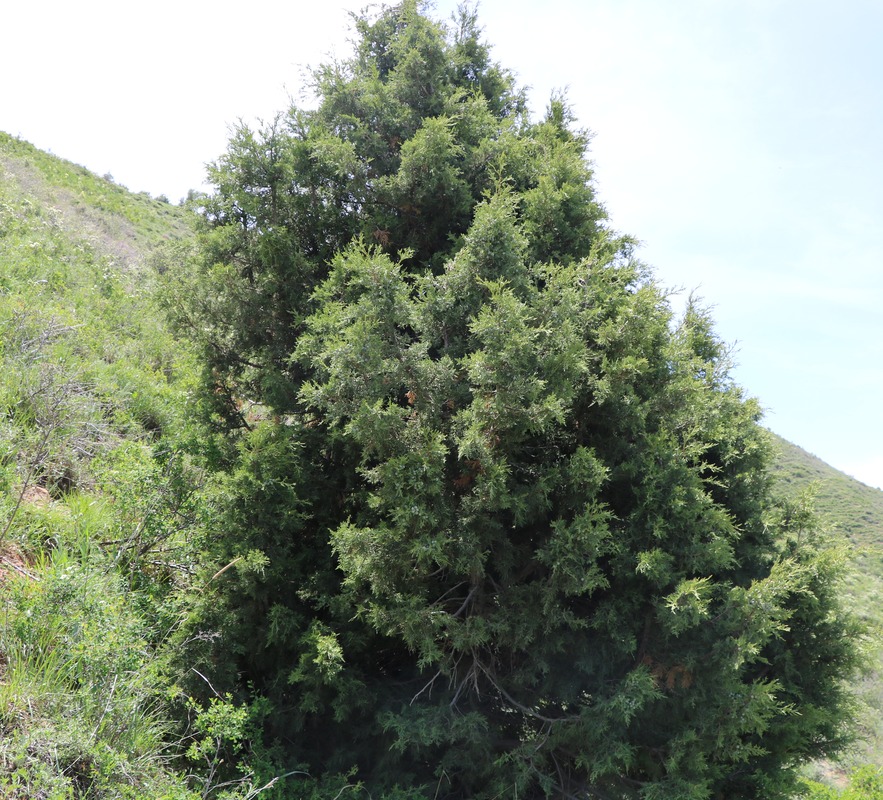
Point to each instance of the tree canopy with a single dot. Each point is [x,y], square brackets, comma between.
[496,524]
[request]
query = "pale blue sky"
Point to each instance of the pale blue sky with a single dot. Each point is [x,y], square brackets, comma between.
[738,139]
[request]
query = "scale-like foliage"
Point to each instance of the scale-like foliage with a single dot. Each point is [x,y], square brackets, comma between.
[503,528]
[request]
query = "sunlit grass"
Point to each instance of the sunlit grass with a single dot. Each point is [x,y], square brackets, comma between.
[86,369]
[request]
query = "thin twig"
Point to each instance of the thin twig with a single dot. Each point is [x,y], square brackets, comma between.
[222,570]
[272,782]
[529,711]
[208,682]
[465,605]
[428,686]
[113,689]
[18,569]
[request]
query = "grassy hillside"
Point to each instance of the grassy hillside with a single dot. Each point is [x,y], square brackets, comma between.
[849,505]
[125,226]
[99,503]
[91,499]
[850,508]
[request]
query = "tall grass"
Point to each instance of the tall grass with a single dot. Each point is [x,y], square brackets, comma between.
[86,371]
[78,708]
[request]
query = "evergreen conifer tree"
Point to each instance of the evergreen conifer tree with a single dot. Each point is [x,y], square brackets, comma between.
[500,527]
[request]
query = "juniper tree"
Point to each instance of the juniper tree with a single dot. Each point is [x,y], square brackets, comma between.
[503,525]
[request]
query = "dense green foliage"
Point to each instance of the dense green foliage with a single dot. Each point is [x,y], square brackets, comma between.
[79,711]
[488,521]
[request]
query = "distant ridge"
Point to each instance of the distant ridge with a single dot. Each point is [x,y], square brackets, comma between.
[845,503]
[122,224]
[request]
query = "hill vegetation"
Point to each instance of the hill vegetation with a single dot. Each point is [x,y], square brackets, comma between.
[849,505]
[333,537]
[91,384]
[853,510]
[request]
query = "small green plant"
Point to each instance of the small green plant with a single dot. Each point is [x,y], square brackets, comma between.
[866,783]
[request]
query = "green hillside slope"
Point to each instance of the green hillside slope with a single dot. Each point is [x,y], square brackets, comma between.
[91,387]
[849,505]
[124,225]
[854,510]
